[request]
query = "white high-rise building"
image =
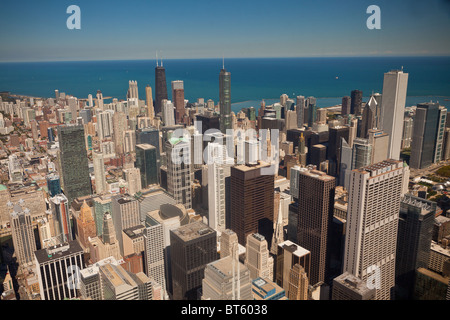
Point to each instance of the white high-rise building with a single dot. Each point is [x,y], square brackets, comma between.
[99,100]
[168,113]
[129,141]
[133,90]
[91,102]
[179,170]
[218,169]
[73,106]
[393,109]
[99,172]
[22,235]
[372,220]
[105,124]
[154,251]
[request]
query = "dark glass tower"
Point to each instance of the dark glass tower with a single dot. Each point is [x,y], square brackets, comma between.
[150,135]
[192,247]
[74,162]
[312,111]
[424,136]
[146,161]
[415,228]
[315,216]
[252,202]
[225,100]
[334,147]
[356,101]
[53,185]
[160,87]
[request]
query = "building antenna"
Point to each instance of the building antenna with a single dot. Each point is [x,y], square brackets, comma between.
[157,59]
[161,60]
[223,61]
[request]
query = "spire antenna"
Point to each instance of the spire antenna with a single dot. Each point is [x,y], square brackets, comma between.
[161,60]
[157,59]
[223,61]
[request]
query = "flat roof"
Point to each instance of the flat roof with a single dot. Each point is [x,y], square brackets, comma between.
[192,231]
[295,249]
[58,251]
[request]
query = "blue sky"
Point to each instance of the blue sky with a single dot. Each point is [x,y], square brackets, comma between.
[33,30]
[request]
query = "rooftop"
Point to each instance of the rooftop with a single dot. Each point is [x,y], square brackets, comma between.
[93,269]
[294,248]
[248,167]
[58,251]
[352,282]
[193,231]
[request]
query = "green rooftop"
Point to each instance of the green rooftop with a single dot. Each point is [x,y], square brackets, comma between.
[177,140]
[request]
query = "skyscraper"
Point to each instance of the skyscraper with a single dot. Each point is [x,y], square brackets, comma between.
[362,153]
[105,124]
[369,117]
[146,162]
[178,100]
[228,238]
[133,179]
[154,251]
[298,283]
[372,221]
[106,245]
[427,135]
[54,266]
[356,102]
[74,162]
[380,142]
[85,225]
[120,284]
[392,109]
[315,215]
[99,172]
[160,87]
[179,172]
[290,254]
[312,110]
[415,227]
[120,125]
[150,135]
[132,90]
[22,235]
[193,246]
[125,214]
[300,106]
[60,210]
[349,287]
[346,106]
[168,113]
[101,205]
[257,258]
[227,279]
[334,147]
[149,102]
[225,100]
[53,184]
[252,202]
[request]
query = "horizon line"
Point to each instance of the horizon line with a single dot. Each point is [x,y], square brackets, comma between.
[235,58]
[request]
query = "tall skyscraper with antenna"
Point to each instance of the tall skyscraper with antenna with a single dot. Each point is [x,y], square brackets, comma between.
[160,85]
[225,98]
